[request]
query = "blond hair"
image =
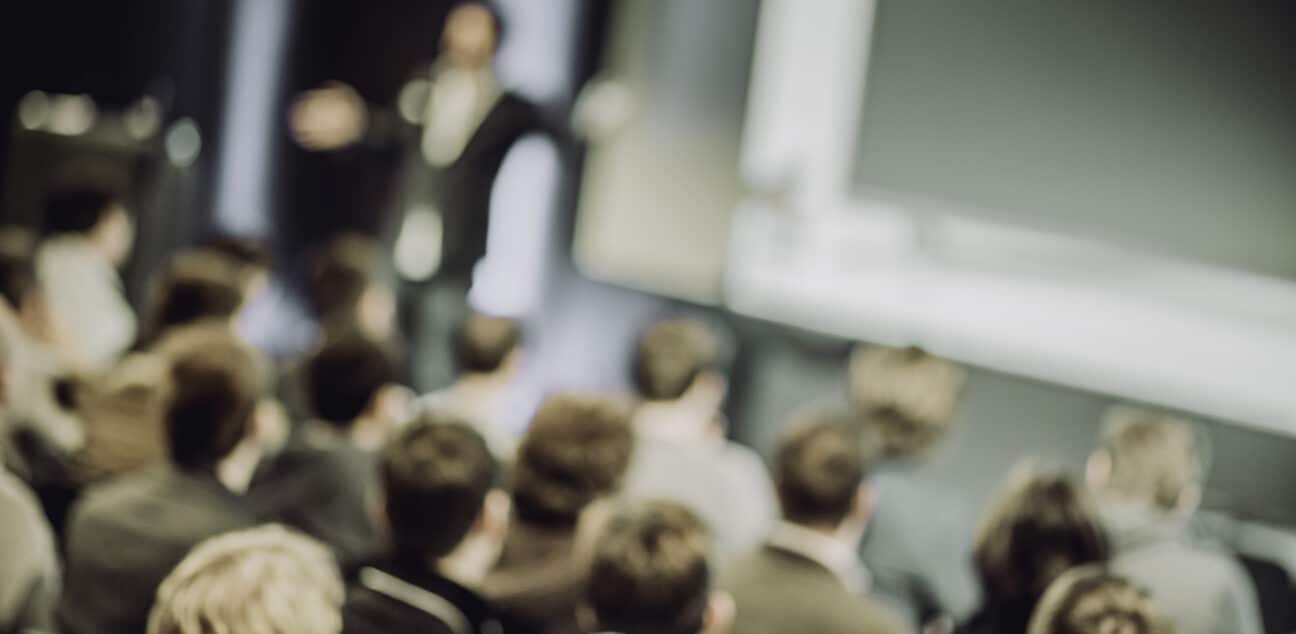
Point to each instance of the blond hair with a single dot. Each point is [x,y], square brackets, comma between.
[265,580]
[1088,600]
[1154,456]
[906,394]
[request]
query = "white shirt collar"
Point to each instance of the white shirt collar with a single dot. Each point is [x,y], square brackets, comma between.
[831,553]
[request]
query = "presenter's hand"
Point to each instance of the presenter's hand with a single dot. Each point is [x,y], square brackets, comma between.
[330,117]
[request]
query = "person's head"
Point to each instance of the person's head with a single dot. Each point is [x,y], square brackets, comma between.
[907,395]
[248,258]
[676,359]
[1151,458]
[344,290]
[650,574]
[472,34]
[576,450]
[438,476]
[196,287]
[347,378]
[1090,600]
[264,579]
[485,345]
[1040,525]
[819,472]
[93,210]
[215,386]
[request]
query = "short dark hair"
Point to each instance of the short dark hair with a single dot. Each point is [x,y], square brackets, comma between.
[482,343]
[1092,600]
[344,376]
[242,251]
[436,474]
[671,354]
[215,387]
[650,572]
[577,449]
[77,208]
[197,286]
[17,279]
[1039,526]
[340,275]
[818,469]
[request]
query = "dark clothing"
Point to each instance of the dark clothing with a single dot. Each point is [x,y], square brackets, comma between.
[399,598]
[778,591]
[1005,619]
[537,579]
[324,487]
[125,536]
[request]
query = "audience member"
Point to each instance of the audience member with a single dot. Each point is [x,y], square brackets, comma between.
[487,355]
[575,453]
[917,546]
[126,535]
[447,525]
[89,235]
[1090,600]
[196,286]
[345,291]
[650,574]
[29,571]
[1038,527]
[1149,471]
[681,453]
[37,409]
[324,481]
[807,577]
[264,580]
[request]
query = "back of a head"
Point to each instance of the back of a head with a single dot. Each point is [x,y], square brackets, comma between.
[577,450]
[818,469]
[1089,600]
[345,375]
[264,580]
[77,206]
[906,394]
[650,571]
[483,343]
[1154,457]
[197,286]
[436,474]
[340,276]
[215,386]
[670,356]
[1039,526]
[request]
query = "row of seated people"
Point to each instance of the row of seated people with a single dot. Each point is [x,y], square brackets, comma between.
[609,513]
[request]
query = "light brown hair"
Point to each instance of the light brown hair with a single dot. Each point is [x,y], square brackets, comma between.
[818,469]
[906,394]
[671,355]
[1154,456]
[1089,600]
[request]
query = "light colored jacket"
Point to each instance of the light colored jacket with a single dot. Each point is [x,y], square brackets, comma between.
[85,299]
[1203,589]
[29,573]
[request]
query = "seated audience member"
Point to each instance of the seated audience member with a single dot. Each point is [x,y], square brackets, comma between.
[250,262]
[324,481]
[1041,525]
[29,574]
[807,577]
[574,453]
[1089,600]
[345,291]
[447,524]
[36,409]
[1149,472]
[487,356]
[197,286]
[650,574]
[89,235]
[127,534]
[263,580]
[918,544]
[681,453]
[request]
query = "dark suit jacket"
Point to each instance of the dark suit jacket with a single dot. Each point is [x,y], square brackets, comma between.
[324,487]
[125,537]
[778,591]
[396,598]
[537,579]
